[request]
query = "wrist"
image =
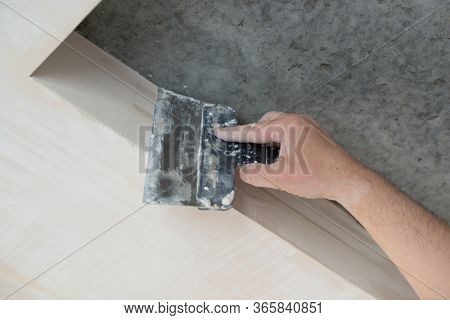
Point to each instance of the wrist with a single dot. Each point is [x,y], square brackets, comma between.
[355,186]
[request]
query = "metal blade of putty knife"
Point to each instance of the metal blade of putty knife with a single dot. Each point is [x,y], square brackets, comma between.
[188,165]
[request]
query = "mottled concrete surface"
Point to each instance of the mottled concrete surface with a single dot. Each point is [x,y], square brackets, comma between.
[375,74]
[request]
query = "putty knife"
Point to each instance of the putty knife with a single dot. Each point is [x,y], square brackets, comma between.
[188,165]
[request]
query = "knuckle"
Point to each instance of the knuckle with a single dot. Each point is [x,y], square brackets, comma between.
[300,120]
[257,125]
[293,119]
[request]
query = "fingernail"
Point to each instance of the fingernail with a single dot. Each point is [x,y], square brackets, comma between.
[218,131]
[249,169]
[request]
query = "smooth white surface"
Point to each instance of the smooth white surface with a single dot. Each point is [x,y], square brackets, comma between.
[66,178]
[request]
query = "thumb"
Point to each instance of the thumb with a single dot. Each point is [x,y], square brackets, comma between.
[260,175]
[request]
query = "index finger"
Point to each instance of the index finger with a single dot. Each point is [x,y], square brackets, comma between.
[253,133]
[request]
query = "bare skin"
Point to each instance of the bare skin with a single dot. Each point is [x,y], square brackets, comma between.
[312,165]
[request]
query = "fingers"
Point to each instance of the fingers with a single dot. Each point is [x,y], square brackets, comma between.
[253,133]
[260,175]
[272,127]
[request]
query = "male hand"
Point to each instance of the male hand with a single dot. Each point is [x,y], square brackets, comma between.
[310,164]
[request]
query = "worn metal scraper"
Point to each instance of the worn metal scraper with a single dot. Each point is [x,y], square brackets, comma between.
[188,164]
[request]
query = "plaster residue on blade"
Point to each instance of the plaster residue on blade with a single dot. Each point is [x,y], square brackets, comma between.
[187,164]
[172,166]
[216,171]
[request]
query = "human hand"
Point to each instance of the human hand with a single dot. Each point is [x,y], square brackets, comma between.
[310,164]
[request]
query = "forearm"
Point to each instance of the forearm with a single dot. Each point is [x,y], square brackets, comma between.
[415,240]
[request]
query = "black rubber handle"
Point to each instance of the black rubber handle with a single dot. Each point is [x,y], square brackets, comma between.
[254,153]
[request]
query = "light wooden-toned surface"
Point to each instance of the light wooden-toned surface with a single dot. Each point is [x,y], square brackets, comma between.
[72,223]
[55,18]
[327,233]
